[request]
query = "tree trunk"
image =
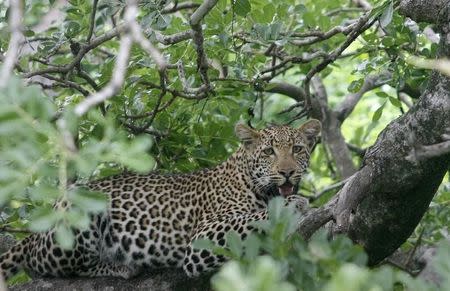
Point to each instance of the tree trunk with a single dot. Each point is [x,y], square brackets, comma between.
[386,199]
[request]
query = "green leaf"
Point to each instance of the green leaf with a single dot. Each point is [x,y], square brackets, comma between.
[241,7]
[377,114]
[28,33]
[65,237]
[72,29]
[382,94]
[386,17]
[395,102]
[234,243]
[203,243]
[252,246]
[355,86]
[89,201]
[42,219]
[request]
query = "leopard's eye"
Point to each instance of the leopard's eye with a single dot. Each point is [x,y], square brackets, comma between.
[297,148]
[268,151]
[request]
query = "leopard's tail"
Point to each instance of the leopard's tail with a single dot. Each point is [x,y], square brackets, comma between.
[12,261]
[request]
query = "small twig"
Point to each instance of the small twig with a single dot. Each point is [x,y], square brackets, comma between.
[92,21]
[342,10]
[84,49]
[13,230]
[400,267]
[328,189]
[184,82]
[359,27]
[179,6]
[413,251]
[290,108]
[88,79]
[199,93]
[173,38]
[158,102]
[305,58]
[67,84]
[357,150]
[316,36]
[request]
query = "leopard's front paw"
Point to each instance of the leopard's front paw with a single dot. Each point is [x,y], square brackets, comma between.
[128,272]
[299,202]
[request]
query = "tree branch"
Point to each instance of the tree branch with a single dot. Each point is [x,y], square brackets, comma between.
[92,21]
[173,38]
[201,11]
[423,152]
[120,68]
[425,10]
[346,107]
[84,49]
[361,25]
[295,92]
[15,26]
[331,131]
[179,6]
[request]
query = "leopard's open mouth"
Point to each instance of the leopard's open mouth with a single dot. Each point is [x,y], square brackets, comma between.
[286,189]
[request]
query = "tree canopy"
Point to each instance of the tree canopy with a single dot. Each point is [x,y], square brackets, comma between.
[93,88]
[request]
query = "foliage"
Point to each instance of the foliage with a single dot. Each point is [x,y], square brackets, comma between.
[45,148]
[290,263]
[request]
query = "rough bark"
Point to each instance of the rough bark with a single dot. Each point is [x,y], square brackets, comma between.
[382,212]
[332,137]
[163,280]
[425,10]
[400,190]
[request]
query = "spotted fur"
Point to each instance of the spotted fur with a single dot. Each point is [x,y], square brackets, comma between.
[153,219]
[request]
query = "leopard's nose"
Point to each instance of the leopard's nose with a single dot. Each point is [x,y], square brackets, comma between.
[286,173]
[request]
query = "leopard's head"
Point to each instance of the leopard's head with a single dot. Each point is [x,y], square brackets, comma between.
[278,156]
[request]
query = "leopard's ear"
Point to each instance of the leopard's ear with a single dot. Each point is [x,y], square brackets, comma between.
[311,130]
[247,135]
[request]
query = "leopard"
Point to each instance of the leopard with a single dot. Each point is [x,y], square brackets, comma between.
[152,220]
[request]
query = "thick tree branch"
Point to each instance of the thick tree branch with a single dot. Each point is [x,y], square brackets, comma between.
[201,11]
[424,152]
[295,92]
[345,108]
[425,10]
[316,218]
[331,131]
